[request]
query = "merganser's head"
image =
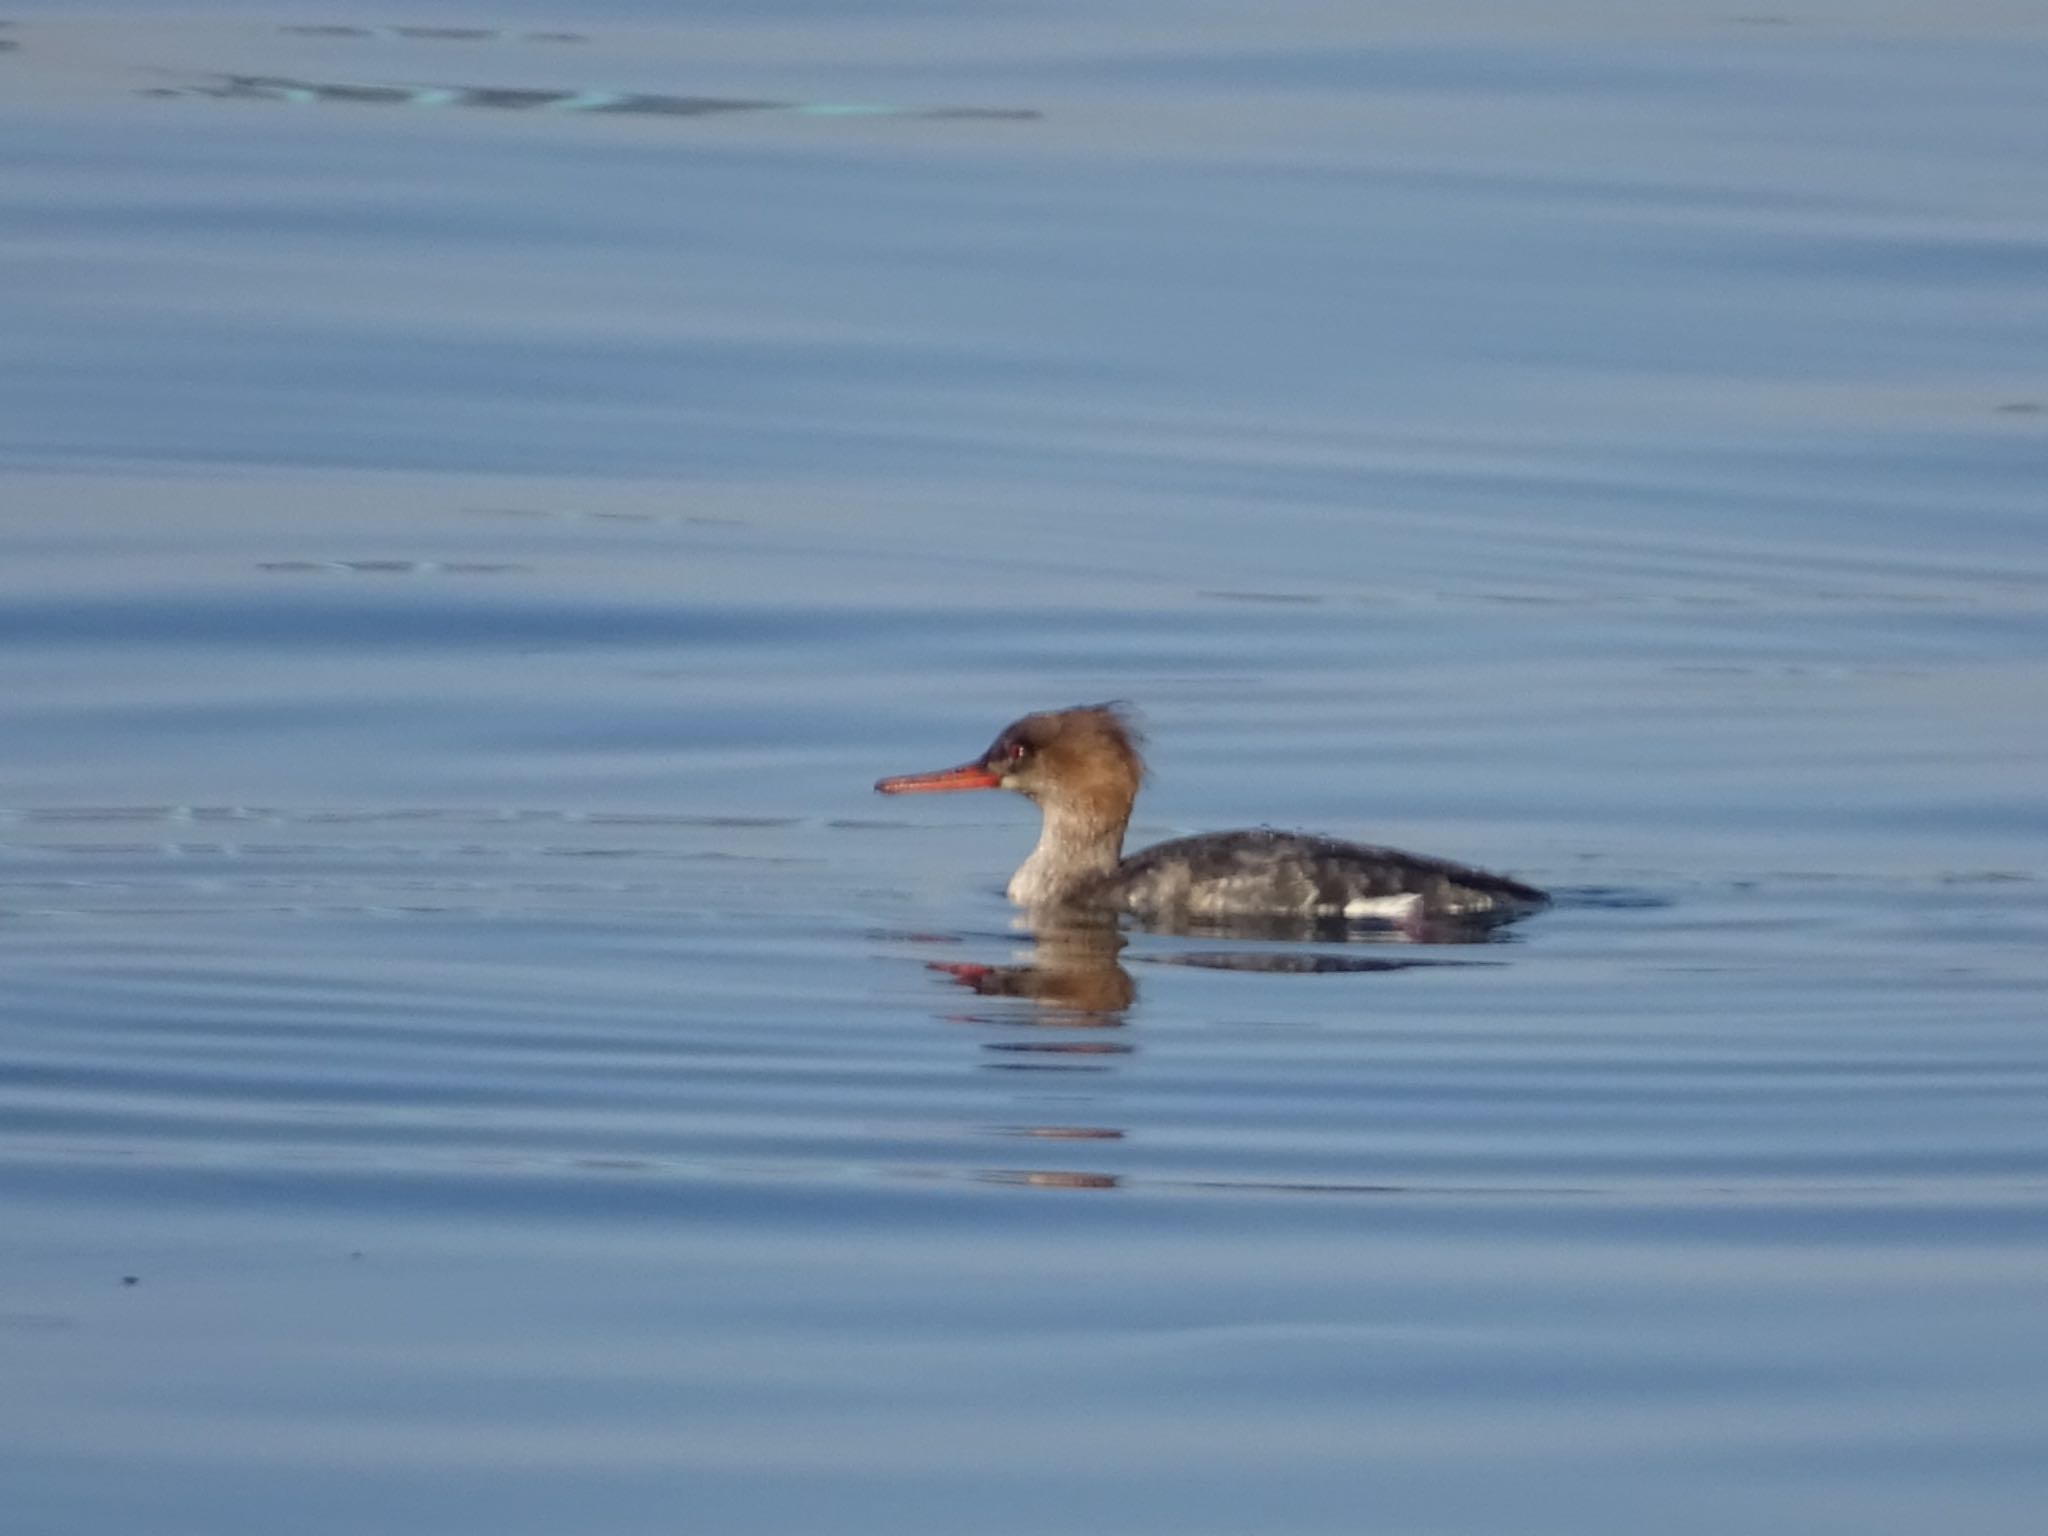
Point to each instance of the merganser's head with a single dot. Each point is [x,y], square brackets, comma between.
[1084,758]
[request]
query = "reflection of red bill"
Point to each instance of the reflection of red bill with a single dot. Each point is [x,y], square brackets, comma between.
[967,975]
[966,776]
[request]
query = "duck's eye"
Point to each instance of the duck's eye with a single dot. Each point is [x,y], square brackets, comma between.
[1017,752]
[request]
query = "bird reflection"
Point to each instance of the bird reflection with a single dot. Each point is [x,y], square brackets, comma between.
[1049,1178]
[1072,968]
[1075,972]
[1079,993]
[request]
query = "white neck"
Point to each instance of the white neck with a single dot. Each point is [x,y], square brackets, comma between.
[1075,844]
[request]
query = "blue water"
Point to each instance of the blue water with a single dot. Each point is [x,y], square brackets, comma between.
[477,513]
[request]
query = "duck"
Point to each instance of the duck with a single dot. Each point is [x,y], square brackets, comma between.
[1083,767]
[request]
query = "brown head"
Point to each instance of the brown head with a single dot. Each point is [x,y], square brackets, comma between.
[1076,760]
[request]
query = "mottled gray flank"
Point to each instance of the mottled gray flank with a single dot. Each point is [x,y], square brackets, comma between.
[1231,874]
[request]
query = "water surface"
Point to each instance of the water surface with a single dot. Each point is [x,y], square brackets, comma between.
[486,495]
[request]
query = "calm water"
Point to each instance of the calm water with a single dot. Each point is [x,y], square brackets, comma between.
[483,502]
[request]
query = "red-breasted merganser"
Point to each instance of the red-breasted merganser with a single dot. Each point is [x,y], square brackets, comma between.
[1082,769]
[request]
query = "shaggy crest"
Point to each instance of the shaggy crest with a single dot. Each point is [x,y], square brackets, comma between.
[1087,751]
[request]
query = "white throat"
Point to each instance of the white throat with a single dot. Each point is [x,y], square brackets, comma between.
[1074,846]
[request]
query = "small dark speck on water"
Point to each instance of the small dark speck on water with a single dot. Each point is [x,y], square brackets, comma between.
[1222,596]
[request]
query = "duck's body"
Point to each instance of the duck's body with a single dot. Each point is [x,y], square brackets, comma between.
[1082,768]
[1262,873]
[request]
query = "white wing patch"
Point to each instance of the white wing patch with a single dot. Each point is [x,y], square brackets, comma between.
[1396,909]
